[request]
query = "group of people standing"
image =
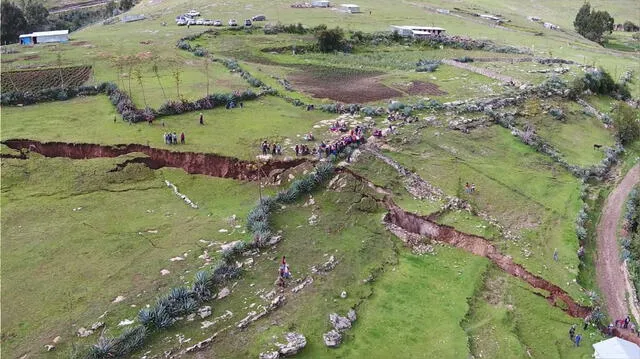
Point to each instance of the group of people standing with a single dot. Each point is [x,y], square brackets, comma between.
[469,188]
[171,138]
[274,149]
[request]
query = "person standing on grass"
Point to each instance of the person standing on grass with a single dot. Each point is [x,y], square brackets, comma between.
[572,332]
[578,339]
[555,255]
[182,138]
[201,118]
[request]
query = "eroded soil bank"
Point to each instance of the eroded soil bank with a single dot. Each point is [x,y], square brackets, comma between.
[194,163]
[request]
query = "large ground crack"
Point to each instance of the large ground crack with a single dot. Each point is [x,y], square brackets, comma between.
[191,162]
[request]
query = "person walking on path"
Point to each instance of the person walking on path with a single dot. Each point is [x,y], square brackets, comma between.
[201,118]
[578,339]
[182,138]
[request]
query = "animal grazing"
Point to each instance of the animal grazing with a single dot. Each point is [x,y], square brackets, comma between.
[596,146]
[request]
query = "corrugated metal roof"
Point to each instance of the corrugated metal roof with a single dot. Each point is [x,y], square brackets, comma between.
[47,33]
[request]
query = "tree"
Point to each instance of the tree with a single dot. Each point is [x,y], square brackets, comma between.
[593,24]
[626,123]
[176,77]
[13,22]
[628,26]
[126,4]
[108,10]
[330,40]
[156,72]
[36,14]
[138,75]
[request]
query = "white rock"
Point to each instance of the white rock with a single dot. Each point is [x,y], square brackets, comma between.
[343,295]
[57,339]
[125,322]
[176,259]
[204,311]
[118,299]
[206,324]
[49,347]
[164,272]
[83,332]
[224,292]
[223,230]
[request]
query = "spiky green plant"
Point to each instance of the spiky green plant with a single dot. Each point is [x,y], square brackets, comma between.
[102,349]
[129,340]
[286,196]
[145,316]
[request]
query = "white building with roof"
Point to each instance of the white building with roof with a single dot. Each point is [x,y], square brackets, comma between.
[321,3]
[616,348]
[416,31]
[350,8]
[43,37]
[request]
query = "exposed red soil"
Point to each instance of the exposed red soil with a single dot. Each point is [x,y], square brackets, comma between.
[34,80]
[342,85]
[479,246]
[424,88]
[194,163]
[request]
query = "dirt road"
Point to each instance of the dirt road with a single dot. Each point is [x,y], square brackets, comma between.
[610,272]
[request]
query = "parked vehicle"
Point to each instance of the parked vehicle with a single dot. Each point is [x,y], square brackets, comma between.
[193,13]
[191,22]
[233,22]
[181,22]
[259,18]
[217,23]
[200,22]
[207,22]
[247,23]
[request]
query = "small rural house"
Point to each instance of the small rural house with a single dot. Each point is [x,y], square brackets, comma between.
[350,8]
[321,3]
[551,26]
[417,31]
[616,348]
[44,37]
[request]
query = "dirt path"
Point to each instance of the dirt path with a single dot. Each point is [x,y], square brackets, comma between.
[610,272]
[484,72]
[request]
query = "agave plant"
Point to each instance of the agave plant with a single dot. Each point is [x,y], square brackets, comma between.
[129,340]
[286,196]
[146,316]
[161,317]
[102,349]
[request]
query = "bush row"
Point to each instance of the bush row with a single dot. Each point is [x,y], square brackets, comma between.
[631,237]
[427,65]
[258,220]
[25,98]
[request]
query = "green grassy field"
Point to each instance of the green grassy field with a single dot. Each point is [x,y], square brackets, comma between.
[237,132]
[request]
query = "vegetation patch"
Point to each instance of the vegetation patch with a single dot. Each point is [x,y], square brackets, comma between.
[35,80]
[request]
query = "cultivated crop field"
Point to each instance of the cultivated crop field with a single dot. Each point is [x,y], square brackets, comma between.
[436,198]
[34,80]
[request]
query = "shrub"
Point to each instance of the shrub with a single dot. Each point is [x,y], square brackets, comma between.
[427,65]
[200,52]
[330,40]
[464,59]
[557,113]
[626,123]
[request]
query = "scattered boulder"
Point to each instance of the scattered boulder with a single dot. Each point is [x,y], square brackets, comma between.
[223,293]
[339,323]
[269,355]
[191,317]
[326,266]
[204,311]
[301,286]
[97,325]
[49,347]
[200,345]
[84,332]
[343,295]
[332,339]
[118,299]
[351,314]
[313,220]
[295,343]
[164,272]
[206,324]
[57,339]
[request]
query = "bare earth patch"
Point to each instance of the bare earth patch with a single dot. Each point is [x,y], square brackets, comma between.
[342,85]
[424,88]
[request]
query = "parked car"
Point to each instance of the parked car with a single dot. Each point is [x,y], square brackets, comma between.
[200,22]
[193,13]
[191,22]
[217,23]
[259,18]
[247,23]
[208,22]
[181,22]
[233,22]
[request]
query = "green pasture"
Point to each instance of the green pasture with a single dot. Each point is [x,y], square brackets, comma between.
[574,136]
[80,235]
[524,190]
[236,132]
